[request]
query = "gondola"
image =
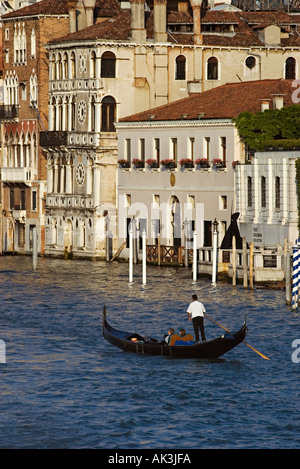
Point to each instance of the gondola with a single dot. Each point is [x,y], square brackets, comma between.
[211,349]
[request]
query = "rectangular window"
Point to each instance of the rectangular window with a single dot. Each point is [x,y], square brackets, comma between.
[34,201]
[22,200]
[173,149]
[223,202]
[157,150]
[142,149]
[207,233]
[191,148]
[127,149]
[11,199]
[206,148]
[191,201]
[223,149]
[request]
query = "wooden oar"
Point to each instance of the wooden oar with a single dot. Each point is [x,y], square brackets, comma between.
[262,355]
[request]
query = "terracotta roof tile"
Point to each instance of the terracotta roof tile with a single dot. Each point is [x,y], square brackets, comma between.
[223,102]
[103,8]
[117,28]
[45,7]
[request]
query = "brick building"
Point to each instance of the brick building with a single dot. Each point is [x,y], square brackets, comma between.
[25,114]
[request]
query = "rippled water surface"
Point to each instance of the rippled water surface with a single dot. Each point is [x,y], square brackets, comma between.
[63,386]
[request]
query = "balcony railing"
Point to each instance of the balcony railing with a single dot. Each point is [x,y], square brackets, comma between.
[16,175]
[9,111]
[53,138]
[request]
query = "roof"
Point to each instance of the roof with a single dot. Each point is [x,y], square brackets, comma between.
[223,102]
[44,7]
[103,8]
[245,34]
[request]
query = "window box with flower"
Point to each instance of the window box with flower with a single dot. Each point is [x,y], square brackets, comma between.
[202,163]
[124,163]
[151,162]
[138,163]
[186,163]
[235,163]
[218,163]
[168,163]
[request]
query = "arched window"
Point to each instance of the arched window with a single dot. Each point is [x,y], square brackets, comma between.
[65,66]
[108,114]
[33,88]
[277,192]
[180,71]
[212,69]
[250,62]
[73,113]
[108,65]
[93,65]
[249,191]
[53,67]
[263,192]
[290,68]
[93,114]
[59,67]
[72,65]
[33,43]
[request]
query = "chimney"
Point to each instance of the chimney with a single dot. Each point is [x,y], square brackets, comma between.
[196,6]
[160,20]
[278,101]
[264,104]
[183,6]
[89,11]
[72,15]
[138,31]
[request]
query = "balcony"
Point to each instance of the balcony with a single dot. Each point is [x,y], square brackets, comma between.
[9,112]
[53,139]
[16,175]
[19,212]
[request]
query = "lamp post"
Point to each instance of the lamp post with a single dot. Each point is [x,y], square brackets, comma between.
[215,252]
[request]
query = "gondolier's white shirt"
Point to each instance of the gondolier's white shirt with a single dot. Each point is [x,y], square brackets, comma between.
[196,309]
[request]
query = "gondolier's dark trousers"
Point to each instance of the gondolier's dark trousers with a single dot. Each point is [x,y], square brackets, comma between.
[198,323]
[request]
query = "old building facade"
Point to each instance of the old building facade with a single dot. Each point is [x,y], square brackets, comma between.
[111,59]
[132,61]
[178,170]
[25,114]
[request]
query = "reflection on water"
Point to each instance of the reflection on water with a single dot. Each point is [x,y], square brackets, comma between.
[63,386]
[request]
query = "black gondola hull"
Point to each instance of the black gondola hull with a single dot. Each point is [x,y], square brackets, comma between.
[210,349]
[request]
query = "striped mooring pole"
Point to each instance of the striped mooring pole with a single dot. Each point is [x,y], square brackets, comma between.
[296,274]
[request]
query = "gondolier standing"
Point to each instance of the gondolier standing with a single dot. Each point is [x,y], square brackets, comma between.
[196,314]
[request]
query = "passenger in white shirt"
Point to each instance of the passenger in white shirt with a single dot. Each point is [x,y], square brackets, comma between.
[196,312]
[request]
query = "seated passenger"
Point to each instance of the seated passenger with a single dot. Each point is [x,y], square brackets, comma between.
[168,337]
[184,338]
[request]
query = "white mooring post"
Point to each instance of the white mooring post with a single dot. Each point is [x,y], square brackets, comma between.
[144,257]
[130,256]
[34,248]
[215,253]
[195,257]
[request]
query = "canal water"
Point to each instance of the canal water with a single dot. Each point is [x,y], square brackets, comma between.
[64,386]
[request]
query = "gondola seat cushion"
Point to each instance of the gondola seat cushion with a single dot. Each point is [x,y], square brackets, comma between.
[178,340]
